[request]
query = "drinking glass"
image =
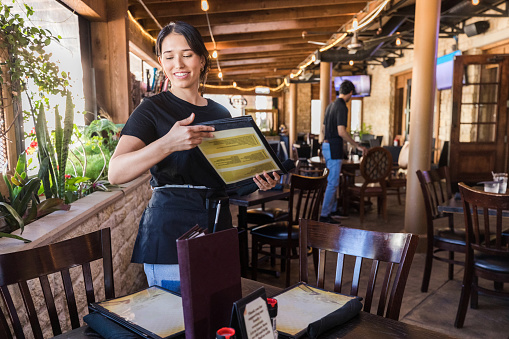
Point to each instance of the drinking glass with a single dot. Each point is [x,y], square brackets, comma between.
[501,178]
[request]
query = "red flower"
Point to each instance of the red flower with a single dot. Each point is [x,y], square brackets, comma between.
[67,176]
[33,144]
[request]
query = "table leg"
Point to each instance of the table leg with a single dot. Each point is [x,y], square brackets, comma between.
[243,243]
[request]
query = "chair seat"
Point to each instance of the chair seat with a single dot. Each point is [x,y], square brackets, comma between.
[368,190]
[261,217]
[455,236]
[276,230]
[490,262]
[396,182]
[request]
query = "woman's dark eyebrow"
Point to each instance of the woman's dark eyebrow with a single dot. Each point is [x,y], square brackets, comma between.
[184,50]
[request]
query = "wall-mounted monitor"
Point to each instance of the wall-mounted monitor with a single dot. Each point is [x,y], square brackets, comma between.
[445,68]
[362,84]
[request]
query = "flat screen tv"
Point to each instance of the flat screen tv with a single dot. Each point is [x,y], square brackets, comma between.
[362,84]
[445,68]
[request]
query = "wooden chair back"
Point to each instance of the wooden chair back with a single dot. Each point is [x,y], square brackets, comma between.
[376,166]
[476,224]
[306,196]
[19,267]
[390,248]
[436,189]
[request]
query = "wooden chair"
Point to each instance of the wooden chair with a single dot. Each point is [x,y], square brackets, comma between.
[389,248]
[436,189]
[308,192]
[18,267]
[486,257]
[375,167]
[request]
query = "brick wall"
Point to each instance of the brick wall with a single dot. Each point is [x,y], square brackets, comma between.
[120,210]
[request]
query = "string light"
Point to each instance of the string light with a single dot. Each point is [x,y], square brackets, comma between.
[204,5]
[220,75]
[246,89]
[137,24]
[355,23]
[234,84]
[214,54]
[475,2]
[286,83]
[398,41]
[337,41]
[367,20]
[350,62]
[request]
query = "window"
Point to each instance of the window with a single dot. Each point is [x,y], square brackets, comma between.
[60,21]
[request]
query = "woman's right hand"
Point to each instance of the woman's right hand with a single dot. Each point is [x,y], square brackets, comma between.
[183,137]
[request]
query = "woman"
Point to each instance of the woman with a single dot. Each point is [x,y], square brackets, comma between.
[161,135]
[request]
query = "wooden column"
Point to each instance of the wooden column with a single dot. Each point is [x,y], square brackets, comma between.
[325,91]
[110,52]
[292,129]
[427,22]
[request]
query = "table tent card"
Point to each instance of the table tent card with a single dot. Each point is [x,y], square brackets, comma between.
[209,280]
[250,317]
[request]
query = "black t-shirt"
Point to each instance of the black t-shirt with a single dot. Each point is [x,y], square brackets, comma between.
[336,115]
[154,117]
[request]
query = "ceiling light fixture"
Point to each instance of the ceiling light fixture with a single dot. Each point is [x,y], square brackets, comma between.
[214,54]
[350,62]
[398,42]
[220,75]
[475,2]
[204,5]
[234,84]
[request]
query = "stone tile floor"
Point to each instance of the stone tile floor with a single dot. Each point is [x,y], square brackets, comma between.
[435,309]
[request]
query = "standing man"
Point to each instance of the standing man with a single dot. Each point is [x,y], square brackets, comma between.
[334,123]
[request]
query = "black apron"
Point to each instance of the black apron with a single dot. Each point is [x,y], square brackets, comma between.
[170,213]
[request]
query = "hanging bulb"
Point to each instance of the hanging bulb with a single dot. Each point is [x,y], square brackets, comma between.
[355,23]
[234,84]
[204,5]
[292,75]
[214,54]
[350,62]
[313,58]
[220,75]
[475,2]
[398,41]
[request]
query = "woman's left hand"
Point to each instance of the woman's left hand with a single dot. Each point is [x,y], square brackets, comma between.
[265,182]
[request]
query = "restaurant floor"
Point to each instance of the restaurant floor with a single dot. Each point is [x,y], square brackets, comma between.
[435,309]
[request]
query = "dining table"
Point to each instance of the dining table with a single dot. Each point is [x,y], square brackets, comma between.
[364,325]
[249,200]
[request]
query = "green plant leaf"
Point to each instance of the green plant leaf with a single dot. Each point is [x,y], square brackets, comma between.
[51,205]
[12,212]
[13,236]
[20,203]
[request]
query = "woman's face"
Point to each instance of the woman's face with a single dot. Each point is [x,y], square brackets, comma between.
[180,64]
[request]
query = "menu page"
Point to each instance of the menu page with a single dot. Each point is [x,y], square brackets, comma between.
[237,154]
[153,309]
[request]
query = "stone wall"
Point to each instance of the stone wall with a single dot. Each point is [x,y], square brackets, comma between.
[121,210]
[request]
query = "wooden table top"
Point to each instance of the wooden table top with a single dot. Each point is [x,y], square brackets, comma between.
[259,197]
[365,325]
[454,205]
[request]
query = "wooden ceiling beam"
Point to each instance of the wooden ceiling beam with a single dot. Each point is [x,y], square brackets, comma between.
[265,48]
[325,33]
[247,61]
[296,13]
[281,53]
[180,9]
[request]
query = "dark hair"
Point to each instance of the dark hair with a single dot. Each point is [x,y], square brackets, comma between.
[346,87]
[193,38]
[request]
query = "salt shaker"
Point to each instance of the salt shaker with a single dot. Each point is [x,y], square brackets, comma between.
[272,306]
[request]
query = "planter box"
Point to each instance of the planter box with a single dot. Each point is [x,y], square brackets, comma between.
[121,210]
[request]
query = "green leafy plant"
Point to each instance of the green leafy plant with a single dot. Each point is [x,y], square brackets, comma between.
[22,205]
[365,129]
[22,51]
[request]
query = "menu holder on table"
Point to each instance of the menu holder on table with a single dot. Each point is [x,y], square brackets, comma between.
[303,309]
[209,280]
[250,317]
[152,313]
[238,151]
